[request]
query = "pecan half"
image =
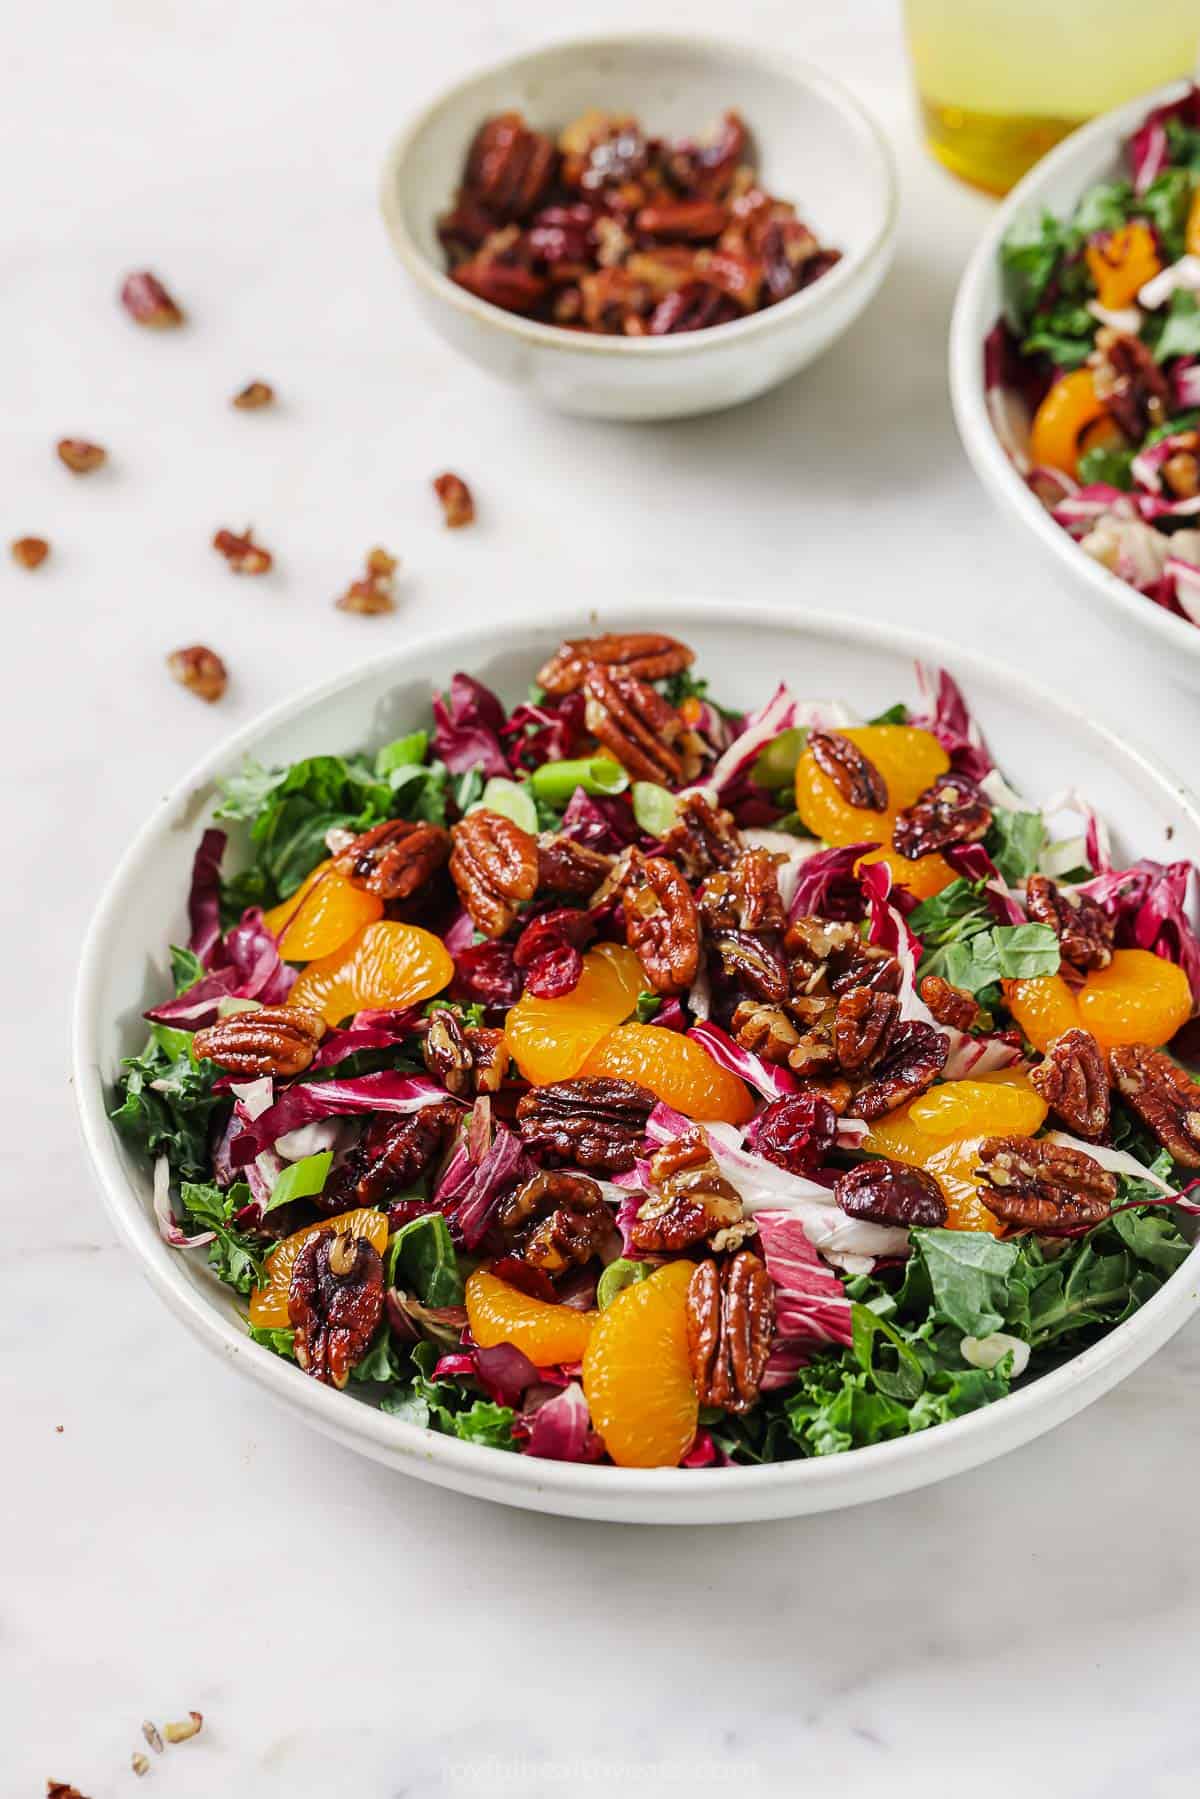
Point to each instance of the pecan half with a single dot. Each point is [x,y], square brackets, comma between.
[661,924]
[831,957]
[80,456]
[744,896]
[1180,473]
[765,1031]
[376,590]
[1129,382]
[649,655]
[559,1219]
[1162,1095]
[490,1057]
[254,396]
[394,1153]
[466,1059]
[691,1200]
[277,1040]
[1084,931]
[703,837]
[335,1303]
[952,1006]
[494,865]
[30,552]
[637,726]
[915,1057]
[888,1192]
[200,670]
[863,1027]
[1042,1185]
[1073,1081]
[755,961]
[855,776]
[458,506]
[951,811]
[593,1122]
[509,167]
[244,556]
[147,302]
[395,858]
[730,1313]
[570,869]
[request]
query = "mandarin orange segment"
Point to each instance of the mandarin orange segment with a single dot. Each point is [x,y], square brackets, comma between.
[908,758]
[383,964]
[676,1069]
[551,1039]
[548,1334]
[1071,405]
[321,915]
[923,877]
[1043,1008]
[1122,261]
[637,1376]
[954,1169]
[268,1305]
[992,1108]
[1138,998]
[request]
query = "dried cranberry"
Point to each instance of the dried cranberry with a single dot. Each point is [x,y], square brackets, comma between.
[797,1132]
[563,927]
[486,974]
[524,1276]
[555,972]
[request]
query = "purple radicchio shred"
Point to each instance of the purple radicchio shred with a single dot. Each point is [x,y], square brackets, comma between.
[204,897]
[467,724]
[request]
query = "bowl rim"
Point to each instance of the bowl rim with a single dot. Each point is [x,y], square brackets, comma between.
[843,275]
[968,396]
[673,1494]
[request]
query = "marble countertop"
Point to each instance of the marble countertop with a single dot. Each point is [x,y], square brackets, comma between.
[168,1539]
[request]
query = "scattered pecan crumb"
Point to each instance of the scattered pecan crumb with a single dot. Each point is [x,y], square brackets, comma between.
[139,1763]
[200,670]
[59,1429]
[80,456]
[30,552]
[150,1732]
[244,556]
[254,396]
[457,503]
[147,302]
[62,1789]
[183,1728]
[376,591]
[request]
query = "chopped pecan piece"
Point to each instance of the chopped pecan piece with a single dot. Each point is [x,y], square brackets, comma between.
[1163,1096]
[244,556]
[890,1193]
[594,1122]
[147,302]
[569,868]
[691,1200]
[200,670]
[394,859]
[509,167]
[494,865]
[649,655]
[914,1058]
[489,1057]
[1084,931]
[1073,1081]
[1129,382]
[254,396]
[765,1031]
[730,1311]
[683,219]
[1043,1185]
[637,726]
[1180,473]
[335,1303]
[703,837]
[466,1059]
[276,1040]
[376,591]
[559,1218]
[855,776]
[661,925]
[80,456]
[458,507]
[62,1789]
[952,1006]
[30,552]
[755,961]
[951,811]
[830,957]
[395,1153]
[743,897]
[863,1027]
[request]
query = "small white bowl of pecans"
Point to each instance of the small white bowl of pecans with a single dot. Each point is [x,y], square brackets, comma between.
[642,227]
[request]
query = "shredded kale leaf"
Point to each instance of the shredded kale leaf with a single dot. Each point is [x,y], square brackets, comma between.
[166,1104]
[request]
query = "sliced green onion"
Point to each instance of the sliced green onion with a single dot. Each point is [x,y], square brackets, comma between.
[555,782]
[654,807]
[300,1180]
[776,765]
[616,1277]
[512,799]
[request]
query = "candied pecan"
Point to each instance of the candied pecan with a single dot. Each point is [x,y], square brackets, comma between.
[703,837]
[62,1789]
[744,897]
[709,167]
[890,1193]
[592,1121]
[559,1218]
[335,1303]
[730,1312]
[796,1132]
[1164,1097]
[696,307]
[914,1058]
[952,1006]
[254,396]
[754,961]
[395,858]
[489,1057]
[200,670]
[602,152]
[80,456]
[637,726]
[1180,473]
[276,1040]
[661,925]
[509,166]
[951,811]
[147,302]
[1043,1185]
[569,868]
[1073,1081]
[494,865]
[815,1053]
[740,277]
[863,1027]
[244,556]
[375,592]
[395,1152]
[457,503]
[30,552]
[1129,383]
[683,218]
[788,250]
[692,1200]
[497,274]
[610,299]
[446,1054]
[650,655]
[1083,929]
[765,1031]
[855,776]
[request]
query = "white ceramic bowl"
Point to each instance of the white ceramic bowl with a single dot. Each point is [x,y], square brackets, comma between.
[1043,743]
[816,147]
[1056,185]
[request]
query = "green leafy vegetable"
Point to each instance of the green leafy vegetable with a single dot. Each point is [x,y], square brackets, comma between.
[1181,333]
[895,715]
[281,1342]
[1113,468]
[186,968]
[167,1106]
[1014,843]
[648,1005]
[421,1259]
[1005,952]
[234,1257]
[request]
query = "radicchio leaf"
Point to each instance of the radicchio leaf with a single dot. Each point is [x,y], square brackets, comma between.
[308,1100]
[467,723]
[950,721]
[764,1077]
[560,1430]
[204,897]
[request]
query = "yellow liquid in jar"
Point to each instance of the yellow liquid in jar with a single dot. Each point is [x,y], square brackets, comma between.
[1000,82]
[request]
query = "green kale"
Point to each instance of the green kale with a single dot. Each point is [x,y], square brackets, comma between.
[167,1104]
[1112,468]
[235,1258]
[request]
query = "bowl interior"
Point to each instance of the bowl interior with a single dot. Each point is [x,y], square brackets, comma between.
[811,145]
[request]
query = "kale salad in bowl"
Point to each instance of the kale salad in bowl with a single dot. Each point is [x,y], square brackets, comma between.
[603,1075]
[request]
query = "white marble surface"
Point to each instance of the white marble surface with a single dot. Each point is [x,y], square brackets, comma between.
[176,1543]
